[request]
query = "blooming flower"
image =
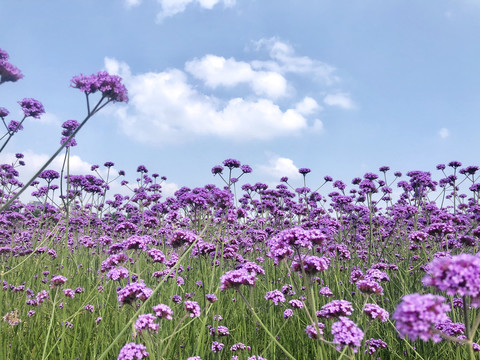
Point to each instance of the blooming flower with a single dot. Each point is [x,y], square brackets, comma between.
[336,308]
[193,308]
[133,291]
[163,311]
[376,312]
[132,351]
[346,333]
[146,322]
[458,274]
[276,296]
[110,86]
[416,315]
[311,330]
[235,278]
[32,107]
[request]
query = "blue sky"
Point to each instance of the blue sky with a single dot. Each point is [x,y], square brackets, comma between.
[341,87]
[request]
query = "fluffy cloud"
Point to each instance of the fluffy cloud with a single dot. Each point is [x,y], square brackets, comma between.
[284,60]
[132,3]
[164,107]
[342,100]
[444,133]
[218,71]
[174,7]
[178,105]
[279,167]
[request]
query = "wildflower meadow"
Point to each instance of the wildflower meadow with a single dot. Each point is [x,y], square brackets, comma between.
[383,266]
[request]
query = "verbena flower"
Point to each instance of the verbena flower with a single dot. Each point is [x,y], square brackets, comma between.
[235,278]
[376,312]
[346,333]
[276,296]
[336,308]
[311,330]
[163,311]
[374,344]
[132,351]
[146,322]
[134,291]
[416,315]
[110,86]
[458,274]
[32,107]
[193,308]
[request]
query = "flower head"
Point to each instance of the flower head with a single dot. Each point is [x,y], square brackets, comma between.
[110,86]
[235,278]
[346,333]
[416,315]
[32,107]
[132,351]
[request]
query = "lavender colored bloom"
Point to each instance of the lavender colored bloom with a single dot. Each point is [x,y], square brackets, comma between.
[235,278]
[311,264]
[311,330]
[163,311]
[297,304]
[58,280]
[336,308]
[217,169]
[376,312]
[14,127]
[376,275]
[146,322]
[193,308]
[325,291]
[3,112]
[374,344]
[231,163]
[134,291]
[346,333]
[110,86]
[89,307]
[211,297]
[416,315]
[217,346]
[118,273]
[157,255]
[458,274]
[287,313]
[369,287]
[304,171]
[222,331]
[32,107]
[450,328]
[276,296]
[132,351]
[246,169]
[194,358]
[9,72]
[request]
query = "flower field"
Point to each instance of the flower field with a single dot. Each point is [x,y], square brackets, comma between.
[384,266]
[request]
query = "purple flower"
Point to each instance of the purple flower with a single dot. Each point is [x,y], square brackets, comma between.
[193,308]
[118,273]
[246,169]
[14,126]
[9,72]
[311,330]
[3,112]
[374,344]
[416,315]
[216,346]
[132,351]
[458,274]
[163,311]
[336,308]
[325,291]
[222,331]
[235,278]
[311,264]
[276,296]
[376,312]
[217,169]
[296,304]
[134,291]
[110,86]
[304,171]
[346,333]
[369,287]
[58,280]
[146,322]
[231,163]
[211,297]
[32,107]
[157,255]
[287,313]
[89,307]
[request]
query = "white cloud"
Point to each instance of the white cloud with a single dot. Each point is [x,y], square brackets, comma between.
[342,100]
[317,126]
[217,71]
[308,106]
[49,119]
[174,7]
[284,60]
[164,107]
[279,167]
[132,3]
[444,133]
